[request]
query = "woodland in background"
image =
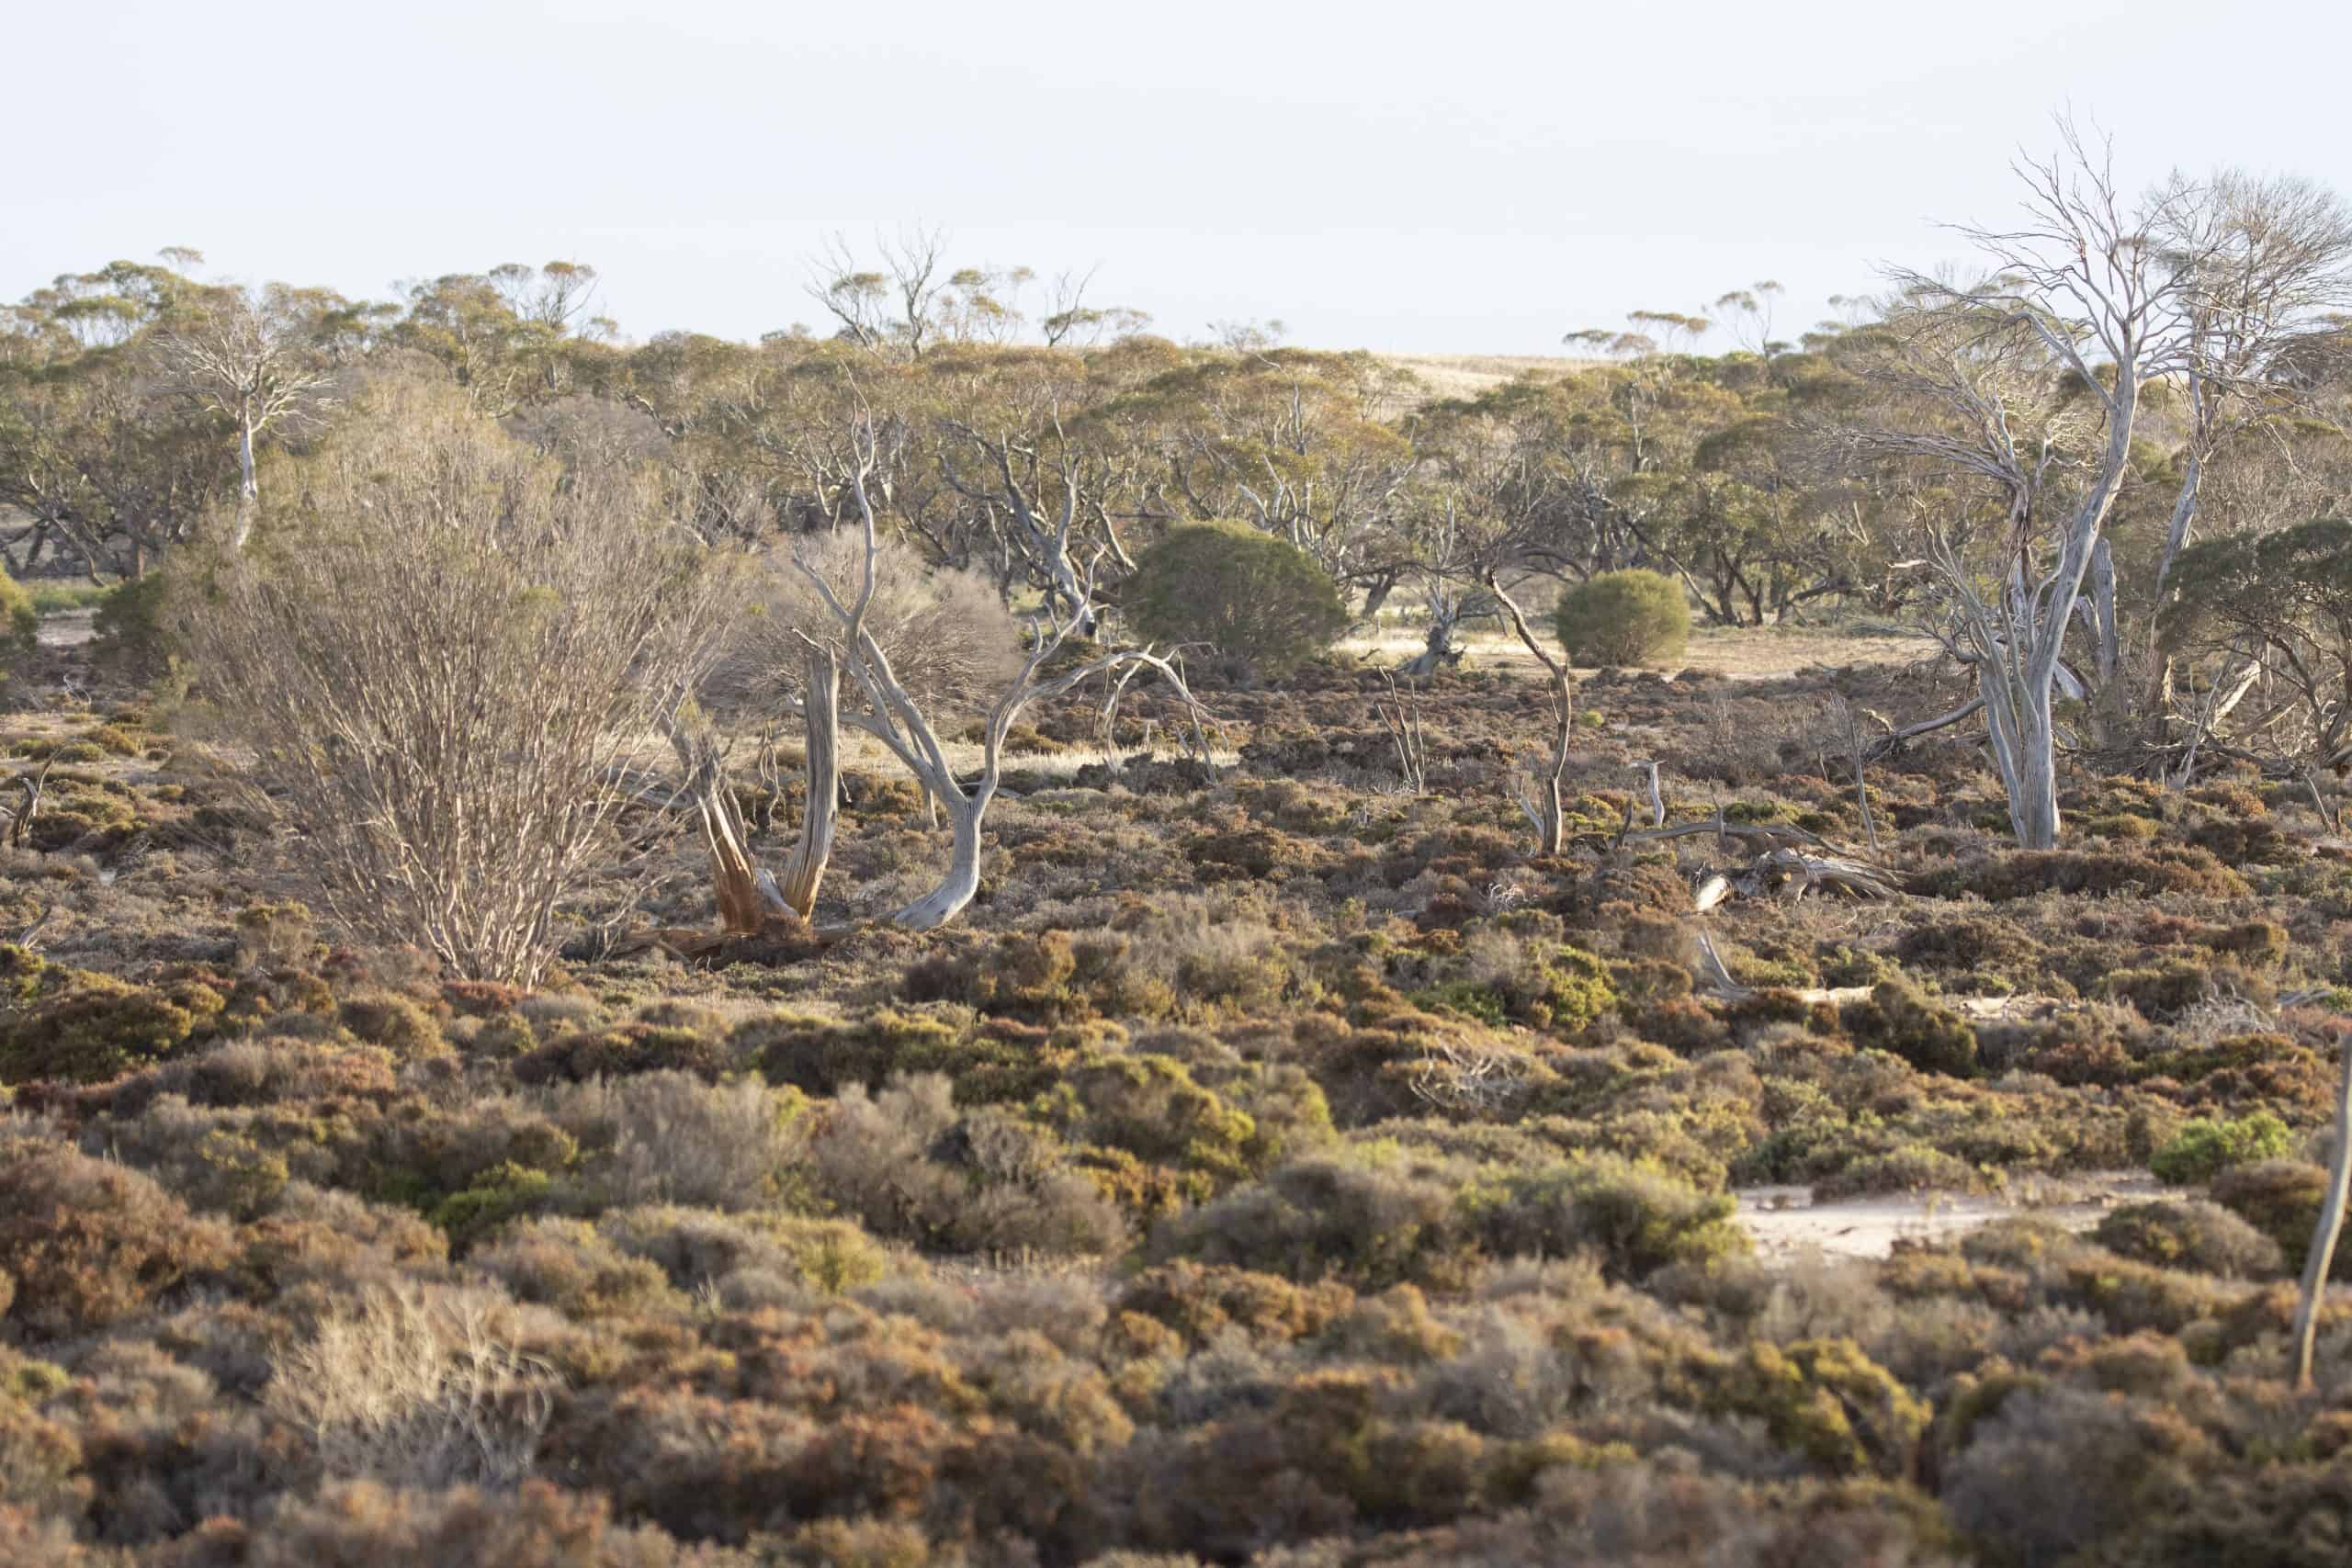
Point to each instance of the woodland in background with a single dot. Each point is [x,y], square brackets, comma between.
[492,1070]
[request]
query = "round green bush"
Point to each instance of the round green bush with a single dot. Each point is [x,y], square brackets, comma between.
[1624,617]
[1256,599]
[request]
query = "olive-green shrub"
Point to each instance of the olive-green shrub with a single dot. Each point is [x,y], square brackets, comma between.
[1258,600]
[1624,617]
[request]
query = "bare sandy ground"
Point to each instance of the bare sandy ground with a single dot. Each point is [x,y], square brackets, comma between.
[1786,1222]
[68,628]
[1743,654]
[1447,376]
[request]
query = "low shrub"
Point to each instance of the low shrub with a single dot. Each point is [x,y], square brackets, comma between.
[1899,1018]
[88,1242]
[1633,1216]
[911,1167]
[2281,1198]
[1825,1399]
[1368,1226]
[2189,1234]
[20,625]
[2205,1147]
[747,1258]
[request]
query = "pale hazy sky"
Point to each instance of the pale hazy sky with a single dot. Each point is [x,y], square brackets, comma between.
[1467,176]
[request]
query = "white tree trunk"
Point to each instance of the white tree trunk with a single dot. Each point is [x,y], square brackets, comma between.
[956,889]
[804,869]
[2025,749]
[2331,1226]
[1437,647]
[248,487]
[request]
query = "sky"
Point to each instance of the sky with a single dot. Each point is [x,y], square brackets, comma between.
[1467,178]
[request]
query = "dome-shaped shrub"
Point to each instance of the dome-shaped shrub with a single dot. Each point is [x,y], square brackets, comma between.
[1256,599]
[1624,617]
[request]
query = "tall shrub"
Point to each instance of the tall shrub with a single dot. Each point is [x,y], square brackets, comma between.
[1624,617]
[436,648]
[1256,599]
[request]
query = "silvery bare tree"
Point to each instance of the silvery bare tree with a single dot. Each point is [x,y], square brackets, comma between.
[912,643]
[2039,378]
[890,713]
[1540,799]
[252,358]
[945,635]
[1043,502]
[2090,283]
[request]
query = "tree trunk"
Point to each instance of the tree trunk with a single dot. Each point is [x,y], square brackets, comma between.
[1438,649]
[804,868]
[248,487]
[747,896]
[1550,817]
[2184,516]
[945,902]
[2025,748]
[2331,1226]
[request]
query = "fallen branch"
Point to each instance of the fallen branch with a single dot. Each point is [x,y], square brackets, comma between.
[1887,745]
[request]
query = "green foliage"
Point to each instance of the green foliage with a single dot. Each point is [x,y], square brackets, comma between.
[1827,1400]
[20,625]
[1897,1017]
[81,1027]
[1256,598]
[1629,617]
[132,634]
[53,596]
[2205,1147]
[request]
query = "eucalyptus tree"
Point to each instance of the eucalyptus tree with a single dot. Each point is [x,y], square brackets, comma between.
[100,453]
[257,358]
[2090,304]
[508,336]
[2265,274]
[888,710]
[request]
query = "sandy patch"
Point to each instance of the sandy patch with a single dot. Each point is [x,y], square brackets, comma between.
[67,628]
[1786,1222]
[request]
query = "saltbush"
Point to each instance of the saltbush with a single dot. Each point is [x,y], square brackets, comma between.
[129,635]
[88,1242]
[1897,1018]
[2191,1235]
[2205,1147]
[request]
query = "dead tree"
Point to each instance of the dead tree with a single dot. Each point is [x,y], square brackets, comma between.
[1401,716]
[804,868]
[891,713]
[1849,736]
[1540,799]
[19,819]
[1648,769]
[748,896]
[2088,302]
